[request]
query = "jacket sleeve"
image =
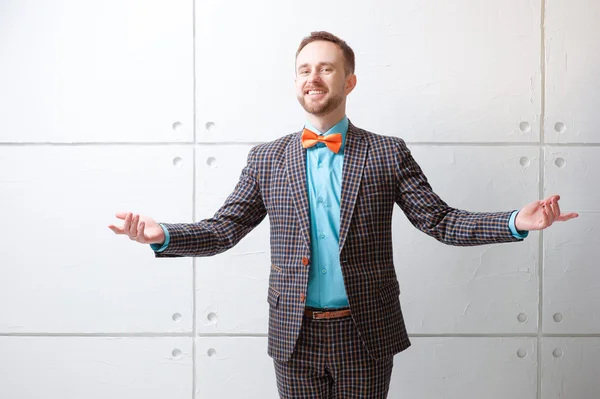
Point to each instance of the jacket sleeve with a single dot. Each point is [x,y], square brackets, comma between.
[430,214]
[242,211]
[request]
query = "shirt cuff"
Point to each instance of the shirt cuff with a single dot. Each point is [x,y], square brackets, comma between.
[158,247]
[513,229]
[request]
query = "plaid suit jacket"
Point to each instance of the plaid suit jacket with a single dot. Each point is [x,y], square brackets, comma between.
[378,172]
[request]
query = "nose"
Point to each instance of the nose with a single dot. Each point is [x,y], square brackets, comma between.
[314,76]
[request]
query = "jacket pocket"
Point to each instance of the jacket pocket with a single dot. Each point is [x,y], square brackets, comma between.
[276,268]
[390,292]
[273,297]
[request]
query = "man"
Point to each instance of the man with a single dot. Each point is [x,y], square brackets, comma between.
[335,321]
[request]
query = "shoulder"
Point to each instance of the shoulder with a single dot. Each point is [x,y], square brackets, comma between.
[272,150]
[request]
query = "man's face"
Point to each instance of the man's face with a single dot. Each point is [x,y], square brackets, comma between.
[321,82]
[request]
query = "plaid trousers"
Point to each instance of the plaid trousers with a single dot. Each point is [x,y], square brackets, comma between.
[330,361]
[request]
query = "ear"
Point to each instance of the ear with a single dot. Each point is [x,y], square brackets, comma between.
[350,83]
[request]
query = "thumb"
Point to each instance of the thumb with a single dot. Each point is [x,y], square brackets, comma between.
[116,229]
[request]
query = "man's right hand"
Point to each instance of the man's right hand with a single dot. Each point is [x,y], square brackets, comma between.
[142,229]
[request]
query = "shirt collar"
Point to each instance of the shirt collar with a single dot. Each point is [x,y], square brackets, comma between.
[340,127]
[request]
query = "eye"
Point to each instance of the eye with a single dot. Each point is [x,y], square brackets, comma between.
[326,69]
[303,71]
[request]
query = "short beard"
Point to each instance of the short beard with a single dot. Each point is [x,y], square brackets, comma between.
[324,109]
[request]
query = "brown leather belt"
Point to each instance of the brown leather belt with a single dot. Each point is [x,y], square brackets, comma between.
[326,314]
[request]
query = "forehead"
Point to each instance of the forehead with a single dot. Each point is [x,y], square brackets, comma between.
[318,52]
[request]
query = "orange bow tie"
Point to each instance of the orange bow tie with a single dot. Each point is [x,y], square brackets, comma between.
[332,141]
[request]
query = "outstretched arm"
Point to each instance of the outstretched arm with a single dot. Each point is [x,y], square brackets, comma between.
[430,214]
[242,211]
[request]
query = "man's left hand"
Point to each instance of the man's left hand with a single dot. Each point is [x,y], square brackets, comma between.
[541,214]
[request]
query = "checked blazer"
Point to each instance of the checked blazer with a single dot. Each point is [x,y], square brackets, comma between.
[378,172]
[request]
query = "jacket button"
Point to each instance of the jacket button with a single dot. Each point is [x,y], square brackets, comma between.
[302,297]
[305,261]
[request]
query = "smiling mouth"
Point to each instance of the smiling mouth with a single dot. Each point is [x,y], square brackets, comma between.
[314,92]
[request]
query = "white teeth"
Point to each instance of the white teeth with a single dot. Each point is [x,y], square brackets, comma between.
[311,92]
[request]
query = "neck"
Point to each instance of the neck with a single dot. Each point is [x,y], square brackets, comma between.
[326,122]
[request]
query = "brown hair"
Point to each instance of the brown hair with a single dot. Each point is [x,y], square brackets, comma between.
[329,37]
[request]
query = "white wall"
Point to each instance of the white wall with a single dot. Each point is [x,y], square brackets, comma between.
[152,106]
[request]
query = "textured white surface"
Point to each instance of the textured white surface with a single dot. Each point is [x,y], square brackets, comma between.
[62,269]
[572,277]
[435,71]
[109,71]
[234,367]
[483,289]
[570,368]
[574,173]
[231,288]
[573,68]
[95,368]
[571,273]
[466,368]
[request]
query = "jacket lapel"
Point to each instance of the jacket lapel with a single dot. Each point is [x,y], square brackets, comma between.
[355,153]
[295,162]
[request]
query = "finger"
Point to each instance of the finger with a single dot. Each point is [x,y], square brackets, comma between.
[141,237]
[552,215]
[121,215]
[550,210]
[567,216]
[556,208]
[116,229]
[541,204]
[133,225]
[551,198]
[133,230]
[545,217]
[127,224]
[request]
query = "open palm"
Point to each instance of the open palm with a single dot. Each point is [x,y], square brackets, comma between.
[539,215]
[140,228]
